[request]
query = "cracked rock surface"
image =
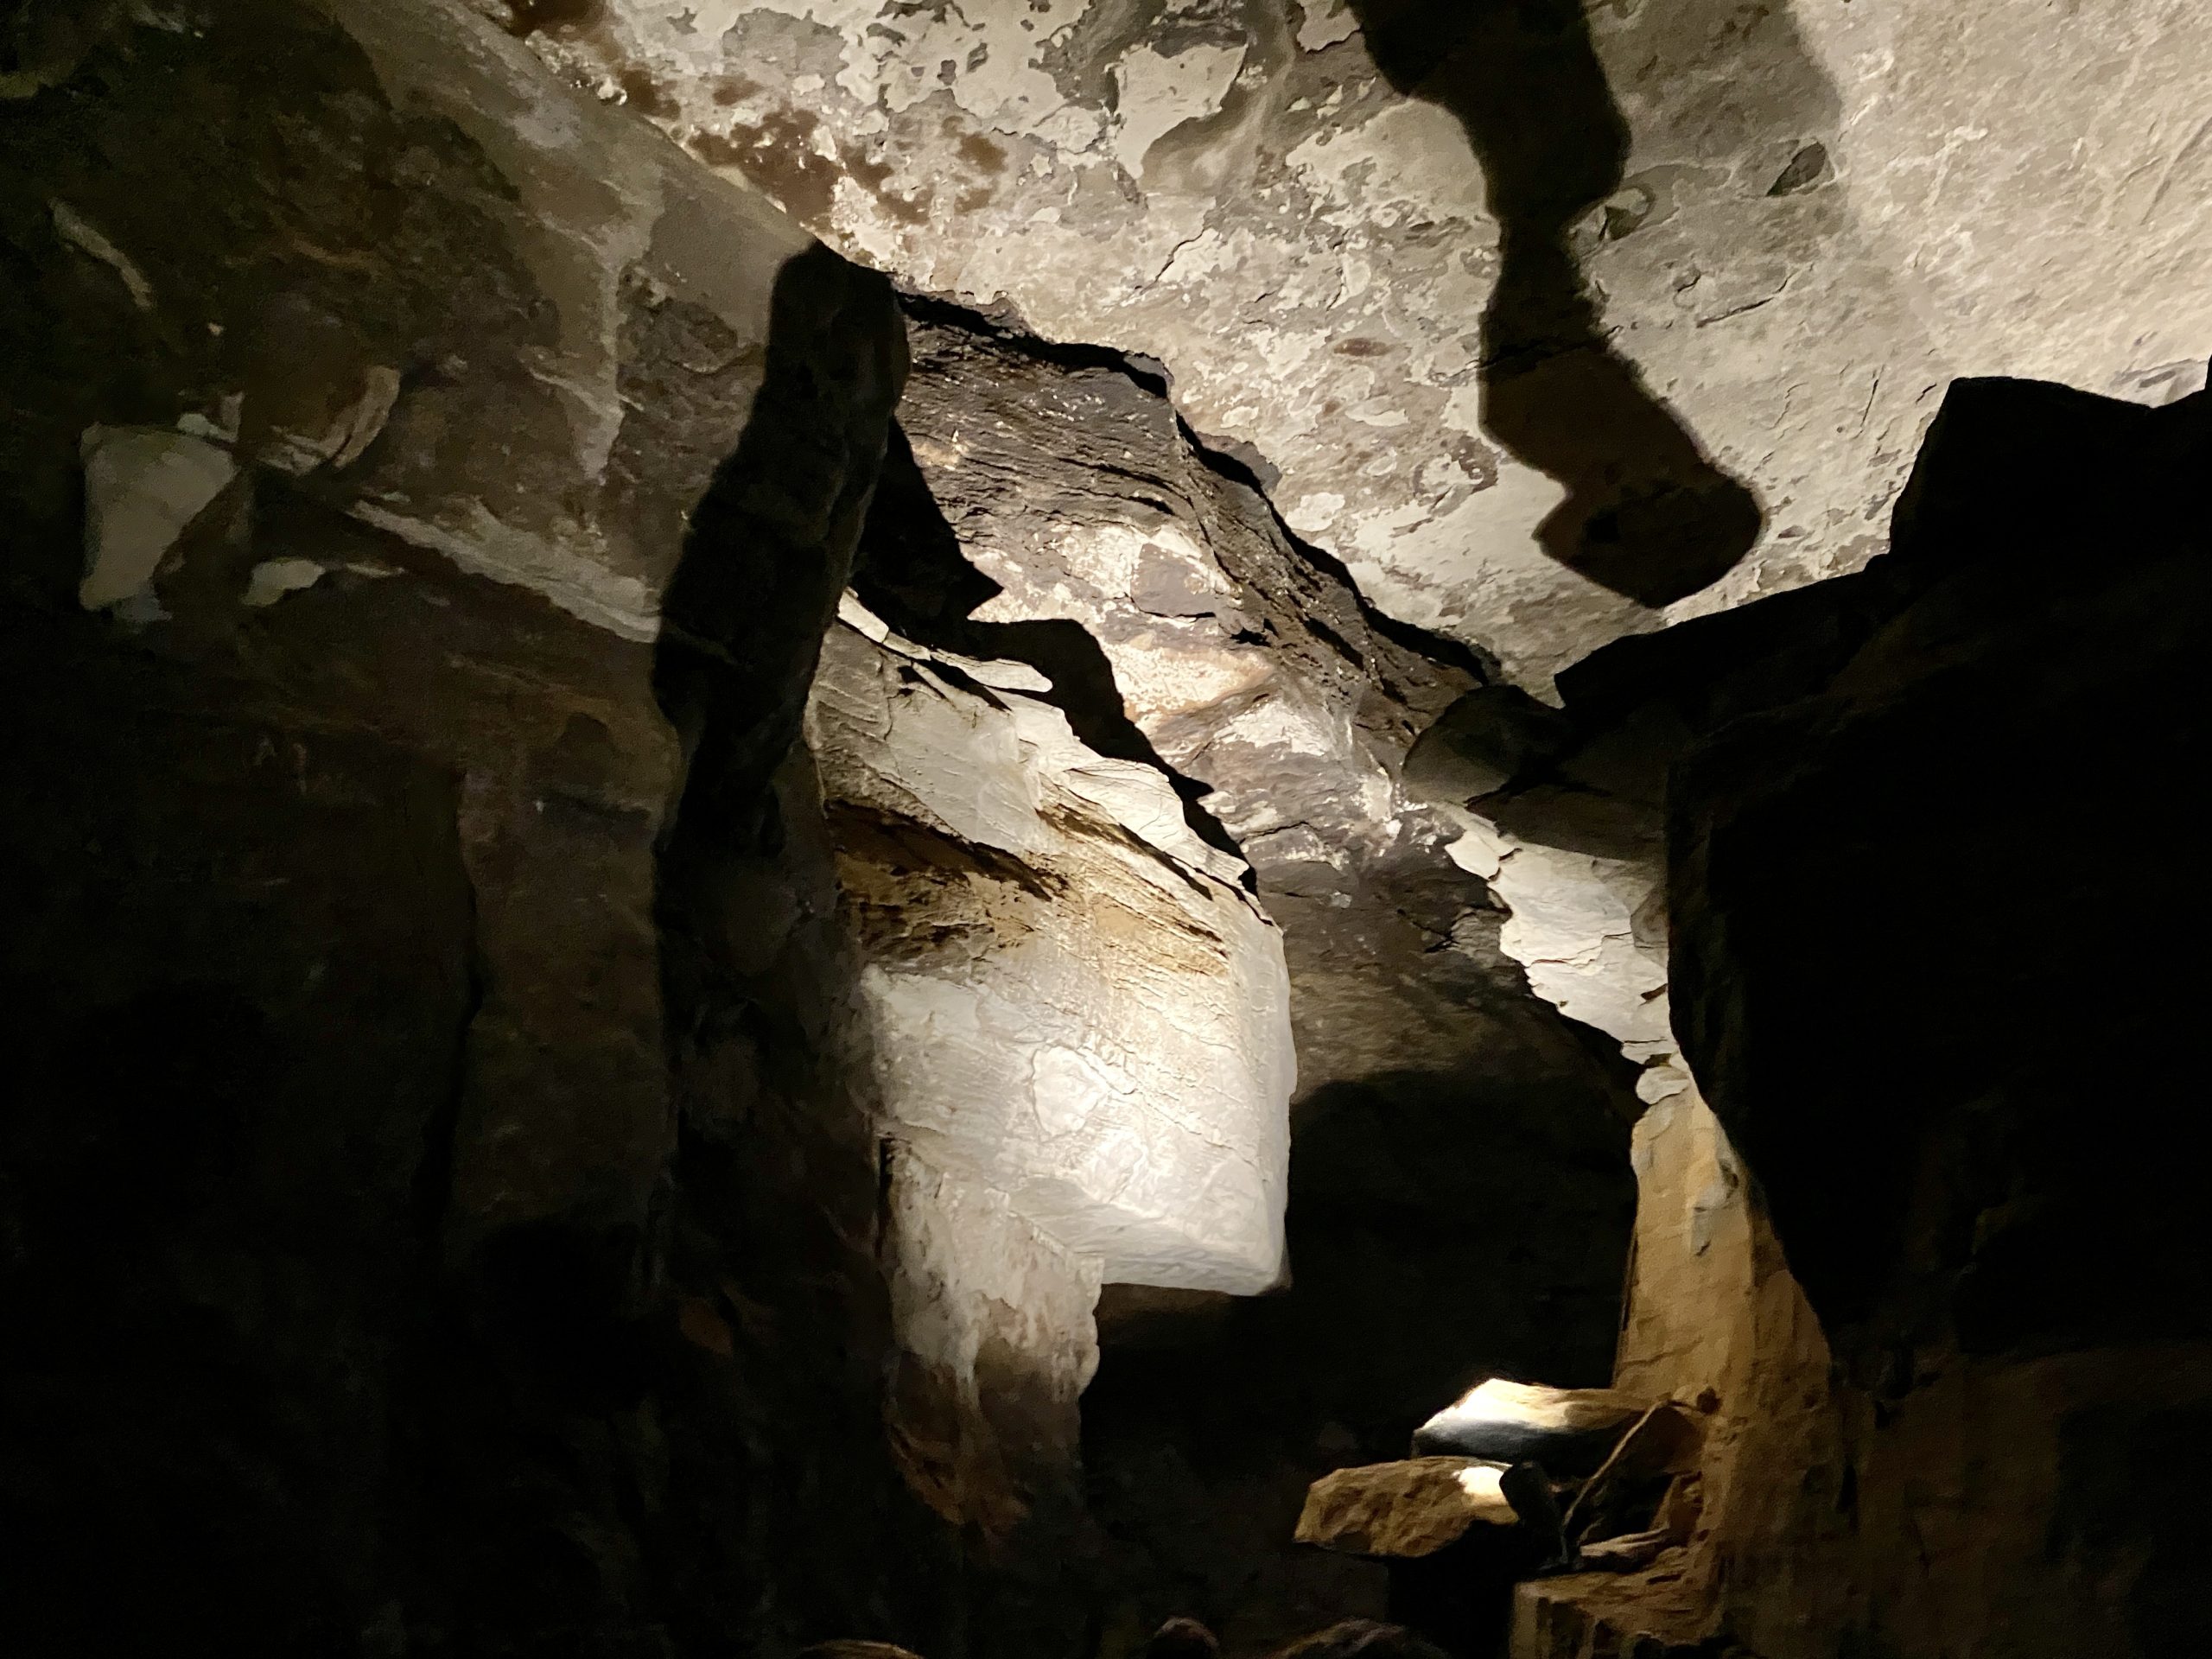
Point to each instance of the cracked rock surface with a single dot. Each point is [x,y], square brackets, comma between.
[1054,529]
[1486,285]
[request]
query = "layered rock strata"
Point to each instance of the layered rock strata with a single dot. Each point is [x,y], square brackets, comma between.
[1054,532]
[441,1189]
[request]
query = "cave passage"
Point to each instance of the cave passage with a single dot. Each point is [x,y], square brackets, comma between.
[717,950]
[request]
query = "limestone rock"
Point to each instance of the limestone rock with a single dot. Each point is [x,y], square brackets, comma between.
[1332,223]
[1410,1509]
[436,1039]
[1076,1001]
[143,486]
[992,1317]
[1569,1430]
[1480,744]
[1054,528]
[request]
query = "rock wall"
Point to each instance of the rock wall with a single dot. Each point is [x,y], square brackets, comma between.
[1943,1442]
[1081,1032]
[441,1203]
[1075,999]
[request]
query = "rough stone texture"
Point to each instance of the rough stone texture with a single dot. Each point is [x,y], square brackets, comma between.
[1753,250]
[1080,1024]
[993,1319]
[1074,998]
[2011,625]
[440,1197]
[1690,1262]
[1059,531]
[1412,1508]
[1942,1442]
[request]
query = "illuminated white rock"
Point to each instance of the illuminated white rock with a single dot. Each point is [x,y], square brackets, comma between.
[1076,1001]
[1569,1430]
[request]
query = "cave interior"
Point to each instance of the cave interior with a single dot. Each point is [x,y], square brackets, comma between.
[1105,829]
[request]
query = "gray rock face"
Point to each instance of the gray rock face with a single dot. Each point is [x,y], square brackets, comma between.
[1527,377]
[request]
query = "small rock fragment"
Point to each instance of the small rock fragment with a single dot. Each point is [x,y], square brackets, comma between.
[143,486]
[274,578]
[83,235]
[1626,1554]
[1182,1638]
[349,434]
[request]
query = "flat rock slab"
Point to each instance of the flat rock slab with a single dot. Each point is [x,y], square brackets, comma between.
[1405,1510]
[1569,1430]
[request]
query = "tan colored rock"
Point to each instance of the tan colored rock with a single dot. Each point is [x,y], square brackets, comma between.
[1408,1509]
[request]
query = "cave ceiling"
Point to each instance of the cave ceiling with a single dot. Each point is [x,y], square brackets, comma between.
[1554,326]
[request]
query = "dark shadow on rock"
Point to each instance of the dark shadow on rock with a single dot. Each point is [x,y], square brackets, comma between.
[1647,513]
[1849,853]
[911,572]
[771,1302]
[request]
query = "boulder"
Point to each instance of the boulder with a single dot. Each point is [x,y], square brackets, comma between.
[1404,1510]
